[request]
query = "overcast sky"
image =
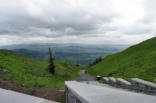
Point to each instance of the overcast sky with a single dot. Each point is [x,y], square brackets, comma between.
[77,21]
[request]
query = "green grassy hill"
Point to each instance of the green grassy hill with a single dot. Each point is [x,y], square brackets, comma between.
[33,73]
[136,61]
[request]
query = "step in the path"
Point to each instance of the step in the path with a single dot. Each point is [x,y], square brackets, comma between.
[96,83]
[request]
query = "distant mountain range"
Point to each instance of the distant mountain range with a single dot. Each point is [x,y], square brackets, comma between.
[74,53]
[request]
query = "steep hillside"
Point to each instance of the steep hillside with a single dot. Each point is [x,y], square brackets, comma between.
[136,61]
[33,73]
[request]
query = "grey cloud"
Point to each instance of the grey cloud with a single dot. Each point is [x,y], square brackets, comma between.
[66,18]
[138,30]
[149,12]
[79,25]
[79,20]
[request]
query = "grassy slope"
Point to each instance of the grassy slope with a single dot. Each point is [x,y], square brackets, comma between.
[136,61]
[31,72]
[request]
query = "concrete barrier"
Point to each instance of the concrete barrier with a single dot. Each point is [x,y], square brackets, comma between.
[121,83]
[143,86]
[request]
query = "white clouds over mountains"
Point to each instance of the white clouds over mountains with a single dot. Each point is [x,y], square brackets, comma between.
[77,21]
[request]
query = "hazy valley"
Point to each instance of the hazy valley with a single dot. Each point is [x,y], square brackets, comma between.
[74,53]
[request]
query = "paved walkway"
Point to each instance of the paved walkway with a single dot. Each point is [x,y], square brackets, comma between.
[89,93]
[85,77]
[8,96]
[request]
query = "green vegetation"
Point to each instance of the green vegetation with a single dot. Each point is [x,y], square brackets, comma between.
[31,72]
[137,61]
[97,60]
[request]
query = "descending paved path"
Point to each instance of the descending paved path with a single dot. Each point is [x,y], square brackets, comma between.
[8,96]
[90,91]
[85,77]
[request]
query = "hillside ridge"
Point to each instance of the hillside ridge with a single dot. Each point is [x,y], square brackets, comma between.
[138,61]
[33,73]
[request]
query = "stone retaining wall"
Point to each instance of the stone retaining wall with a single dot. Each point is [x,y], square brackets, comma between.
[112,81]
[71,97]
[136,84]
[123,83]
[143,86]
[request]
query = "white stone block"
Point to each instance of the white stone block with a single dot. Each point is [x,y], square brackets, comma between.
[123,83]
[105,80]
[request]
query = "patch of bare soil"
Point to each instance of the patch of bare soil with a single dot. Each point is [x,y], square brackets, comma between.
[47,93]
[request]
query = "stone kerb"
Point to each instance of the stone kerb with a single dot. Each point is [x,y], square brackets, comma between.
[112,81]
[136,84]
[121,83]
[105,80]
[143,86]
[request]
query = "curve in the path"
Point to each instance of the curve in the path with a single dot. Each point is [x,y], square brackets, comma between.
[85,77]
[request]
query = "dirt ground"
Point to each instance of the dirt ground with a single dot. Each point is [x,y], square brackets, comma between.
[47,93]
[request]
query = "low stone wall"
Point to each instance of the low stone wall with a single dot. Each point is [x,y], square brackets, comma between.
[123,83]
[136,84]
[143,86]
[105,80]
[112,81]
